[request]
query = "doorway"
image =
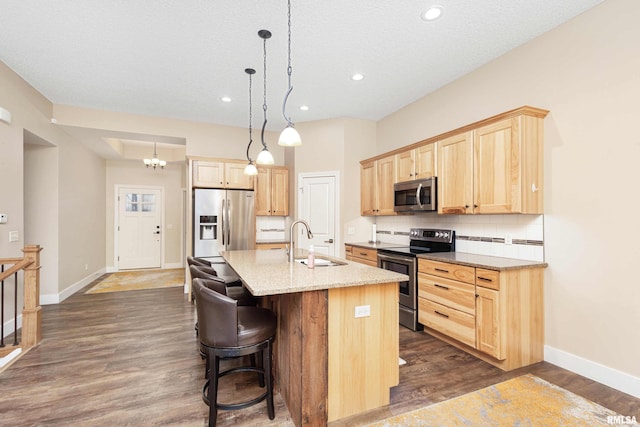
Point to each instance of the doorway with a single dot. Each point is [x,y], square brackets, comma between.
[138,230]
[318,204]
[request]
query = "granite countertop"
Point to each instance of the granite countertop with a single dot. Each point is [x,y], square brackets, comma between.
[483,261]
[271,273]
[271,242]
[376,245]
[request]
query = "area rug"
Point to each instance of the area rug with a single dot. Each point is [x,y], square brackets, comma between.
[522,401]
[138,279]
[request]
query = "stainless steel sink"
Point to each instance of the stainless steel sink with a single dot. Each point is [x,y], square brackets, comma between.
[322,262]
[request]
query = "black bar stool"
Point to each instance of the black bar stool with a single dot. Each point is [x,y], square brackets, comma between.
[228,330]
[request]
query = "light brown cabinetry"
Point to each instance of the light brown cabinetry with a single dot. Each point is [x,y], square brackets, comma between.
[494,315]
[493,169]
[221,174]
[376,186]
[366,256]
[416,163]
[272,191]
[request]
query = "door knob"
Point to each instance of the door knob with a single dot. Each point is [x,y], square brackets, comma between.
[329,241]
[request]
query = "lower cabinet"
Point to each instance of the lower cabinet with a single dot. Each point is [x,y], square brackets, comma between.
[494,315]
[362,255]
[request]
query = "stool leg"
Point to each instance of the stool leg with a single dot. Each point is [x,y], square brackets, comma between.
[260,364]
[213,389]
[266,363]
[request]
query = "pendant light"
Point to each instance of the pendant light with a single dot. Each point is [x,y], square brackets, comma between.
[289,136]
[154,162]
[250,169]
[265,157]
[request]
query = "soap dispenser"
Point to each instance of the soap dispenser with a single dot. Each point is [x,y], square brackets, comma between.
[311,257]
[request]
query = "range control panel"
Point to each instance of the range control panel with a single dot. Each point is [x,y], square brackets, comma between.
[432,235]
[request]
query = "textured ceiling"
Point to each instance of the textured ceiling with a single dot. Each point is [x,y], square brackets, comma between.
[176,58]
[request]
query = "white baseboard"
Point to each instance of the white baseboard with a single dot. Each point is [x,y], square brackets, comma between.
[603,374]
[46,299]
[9,326]
[173,265]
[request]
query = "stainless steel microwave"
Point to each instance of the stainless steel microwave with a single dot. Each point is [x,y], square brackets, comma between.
[415,196]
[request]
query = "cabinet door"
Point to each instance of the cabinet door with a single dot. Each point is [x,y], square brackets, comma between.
[386,179]
[425,161]
[489,334]
[208,174]
[235,177]
[455,174]
[497,168]
[280,192]
[405,166]
[368,193]
[263,191]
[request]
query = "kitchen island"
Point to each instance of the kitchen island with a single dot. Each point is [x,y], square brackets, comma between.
[336,350]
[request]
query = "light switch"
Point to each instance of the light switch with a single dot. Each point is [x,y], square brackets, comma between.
[3,218]
[13,236]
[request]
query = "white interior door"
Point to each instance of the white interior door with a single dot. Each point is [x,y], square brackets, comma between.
[318,205]
[139,228]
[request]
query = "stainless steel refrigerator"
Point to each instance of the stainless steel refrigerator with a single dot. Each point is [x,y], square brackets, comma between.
[224,220]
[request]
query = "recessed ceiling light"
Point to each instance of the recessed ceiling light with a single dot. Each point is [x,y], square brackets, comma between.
[431,14]
[357,77]
[304,107]
[225,99]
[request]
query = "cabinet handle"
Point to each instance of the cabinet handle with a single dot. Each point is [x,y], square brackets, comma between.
[441,314]
[475,206]
[485,279]
[477,295]
[441,270]
[466,206]
[441,287]
[363,254]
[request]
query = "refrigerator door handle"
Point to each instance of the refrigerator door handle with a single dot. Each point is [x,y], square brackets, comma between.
[229,222]
[222,225]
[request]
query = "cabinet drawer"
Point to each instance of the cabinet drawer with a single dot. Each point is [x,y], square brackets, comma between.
[456,324]
[363,261]
[488,278]
[451,293]
[364,253]
[449,271]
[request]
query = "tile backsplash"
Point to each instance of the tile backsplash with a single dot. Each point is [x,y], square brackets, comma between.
[478,234]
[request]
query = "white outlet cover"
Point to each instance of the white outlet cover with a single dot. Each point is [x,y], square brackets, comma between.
[3,218]
[362,311]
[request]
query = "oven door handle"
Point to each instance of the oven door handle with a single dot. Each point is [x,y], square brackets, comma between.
[384,257]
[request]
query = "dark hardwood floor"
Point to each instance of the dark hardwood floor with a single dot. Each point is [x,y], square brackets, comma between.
[131,359]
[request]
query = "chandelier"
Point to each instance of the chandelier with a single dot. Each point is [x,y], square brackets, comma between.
[154,162]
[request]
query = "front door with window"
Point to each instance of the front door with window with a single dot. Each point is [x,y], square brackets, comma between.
[139,228]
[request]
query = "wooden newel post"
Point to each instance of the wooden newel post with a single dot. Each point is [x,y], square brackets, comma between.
[31,314]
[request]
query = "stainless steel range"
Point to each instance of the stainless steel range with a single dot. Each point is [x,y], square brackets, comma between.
[403,260]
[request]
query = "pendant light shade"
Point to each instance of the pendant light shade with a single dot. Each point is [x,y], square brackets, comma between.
[265,157]
[155,162]
[250,169]
[289,136]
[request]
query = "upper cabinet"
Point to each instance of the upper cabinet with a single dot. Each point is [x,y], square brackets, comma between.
[416,163]
[272,191]
[493,169]
[376,180]
[221,174]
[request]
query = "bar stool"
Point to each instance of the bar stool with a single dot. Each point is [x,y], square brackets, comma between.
[228,330]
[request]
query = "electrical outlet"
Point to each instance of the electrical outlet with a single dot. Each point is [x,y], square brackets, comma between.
[3,218]
[363,311]
[86,267]
[351,230]
[508,239]
[13,236]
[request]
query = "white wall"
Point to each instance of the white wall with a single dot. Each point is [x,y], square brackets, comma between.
[587,73]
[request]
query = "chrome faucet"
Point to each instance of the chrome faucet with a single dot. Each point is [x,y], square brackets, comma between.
[309,236]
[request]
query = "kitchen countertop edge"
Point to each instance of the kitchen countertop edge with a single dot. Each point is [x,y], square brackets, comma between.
[483,261]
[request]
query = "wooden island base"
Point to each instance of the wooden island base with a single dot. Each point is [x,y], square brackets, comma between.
[330,364]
